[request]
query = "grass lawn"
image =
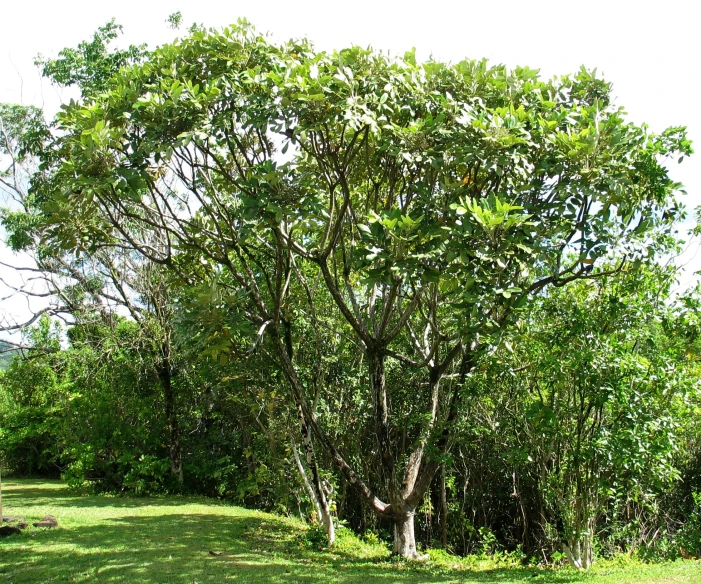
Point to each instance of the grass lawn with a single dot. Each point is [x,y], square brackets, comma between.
[187,540]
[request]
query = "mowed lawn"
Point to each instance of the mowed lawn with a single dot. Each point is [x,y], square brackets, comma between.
[186,540]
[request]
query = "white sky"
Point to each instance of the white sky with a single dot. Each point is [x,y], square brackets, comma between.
[647,49]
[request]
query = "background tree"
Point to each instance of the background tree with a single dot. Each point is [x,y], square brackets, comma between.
[602,417]
[86,290]
[91,64]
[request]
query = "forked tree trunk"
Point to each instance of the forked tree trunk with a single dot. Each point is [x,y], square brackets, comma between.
[579,548]
[579,552]
[404,538]
[403,498]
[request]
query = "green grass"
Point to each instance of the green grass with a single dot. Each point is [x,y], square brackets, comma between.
[169,539]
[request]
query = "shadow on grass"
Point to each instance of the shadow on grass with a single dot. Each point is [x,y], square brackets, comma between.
[23,494]
[177,548]
[140,549]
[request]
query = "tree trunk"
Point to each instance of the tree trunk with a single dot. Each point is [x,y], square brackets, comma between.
[444,510]
[327,522]
[165,375]
[579,548]
[579,552]
[378,388]
[404,539]
[319,492]
[322,510]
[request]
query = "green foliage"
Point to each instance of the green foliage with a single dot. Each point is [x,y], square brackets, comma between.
[175,20]
[315,538]
[7,353]
[24,130]
[147,475]
[91,64]
[689,536]
[30,413]
[509,160]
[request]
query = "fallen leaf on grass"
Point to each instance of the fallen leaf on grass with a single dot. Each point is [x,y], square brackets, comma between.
[211,553]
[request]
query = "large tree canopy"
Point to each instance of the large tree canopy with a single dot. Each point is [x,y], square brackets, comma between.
[422,204]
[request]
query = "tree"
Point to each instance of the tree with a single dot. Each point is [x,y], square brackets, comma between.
[428,202]
[82,290]
[91,64]
[33,396]
[604,396]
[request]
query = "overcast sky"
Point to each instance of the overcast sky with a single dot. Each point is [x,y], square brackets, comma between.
[648,50]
